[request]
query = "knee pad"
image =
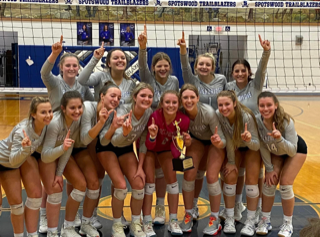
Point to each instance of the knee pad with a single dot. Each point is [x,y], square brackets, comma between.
[120,194]
[229,189]
[252,191]
[188,186]
[214,189]
[149,188]
[54,198]
[221,176]
[261,173]
[138,194]
[241,172]
[159,173]
[17,209]
[286,192]
[200,174]
[77,195]
[269,191]
[100,182]
[173,188]
[93,194]
[33,203]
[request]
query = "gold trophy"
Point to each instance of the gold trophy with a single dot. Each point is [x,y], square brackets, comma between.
[183,163]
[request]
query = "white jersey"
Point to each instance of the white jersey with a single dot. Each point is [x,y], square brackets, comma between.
[88,121]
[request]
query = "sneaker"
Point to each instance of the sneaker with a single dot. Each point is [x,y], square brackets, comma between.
[286,230]
[257,215]
[124,222]
[223,214]
[187,223]
[229,226]
[160,215]
[238,209]
[117,230]
[52,234]
[213,226]
[77,221]
[264,226]
[95,221]
[249,228]
[148,229]
[43,227]
[195,213]
[69,232]
[174,228]
[136,229]
[88,230]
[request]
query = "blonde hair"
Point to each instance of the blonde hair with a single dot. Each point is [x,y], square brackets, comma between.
[279,115]
[238,125]
[34,106]
[206,55]
[173,92]
[137,89]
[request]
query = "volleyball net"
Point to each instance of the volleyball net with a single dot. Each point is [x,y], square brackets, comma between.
[227,29]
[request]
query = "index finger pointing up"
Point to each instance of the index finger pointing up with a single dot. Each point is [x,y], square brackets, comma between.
[216,130]
[24,133]
[152,120]
[145,29]
[183,35]
[274,126]
[260,39]
[102,44]
[61,39]
[68,134]
[246,127]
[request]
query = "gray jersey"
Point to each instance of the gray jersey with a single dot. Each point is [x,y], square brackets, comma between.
[53,143]
[98,79]
[146,76]
[57,86]
[88,121]
[286,145]
[227,129]
[139,129]
[249,95]
[12,154]
[204,124]
[207,92]
[107,124]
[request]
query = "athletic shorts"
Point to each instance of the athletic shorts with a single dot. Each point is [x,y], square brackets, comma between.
[119,151]
[204,142]
[243,148]
[77,150]
[3,168]
[301,147]
[36,155]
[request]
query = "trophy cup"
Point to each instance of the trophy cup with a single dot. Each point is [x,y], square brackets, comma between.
[182,163]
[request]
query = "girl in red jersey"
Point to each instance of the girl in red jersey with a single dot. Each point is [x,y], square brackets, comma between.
[161,130]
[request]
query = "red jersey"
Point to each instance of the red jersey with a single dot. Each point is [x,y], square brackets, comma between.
[163,141]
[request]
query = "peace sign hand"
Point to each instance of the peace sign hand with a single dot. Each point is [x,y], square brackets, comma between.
[67,143]
[246,135]
[142,39]
[265,44]
[98,53]
[215,138]
[276,134]
[25,141]
[117,122]
[153,129]
[57,47]
[127,125]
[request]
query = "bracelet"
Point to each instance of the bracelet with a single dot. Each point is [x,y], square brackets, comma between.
[152,139]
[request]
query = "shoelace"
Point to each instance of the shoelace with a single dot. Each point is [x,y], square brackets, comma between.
[285,227]
[229,222]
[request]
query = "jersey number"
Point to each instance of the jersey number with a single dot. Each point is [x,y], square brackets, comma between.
[272,147]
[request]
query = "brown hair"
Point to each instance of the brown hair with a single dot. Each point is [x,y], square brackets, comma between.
[238,125]
[69,95]
[206,55]
[311,230]
[108,59]
[34,106]
[137,89]
[190,87]
[279,114]
[173,92]
[63,58]
[161,56]
[105,88]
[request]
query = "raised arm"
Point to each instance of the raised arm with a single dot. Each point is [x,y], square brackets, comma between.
[144,72]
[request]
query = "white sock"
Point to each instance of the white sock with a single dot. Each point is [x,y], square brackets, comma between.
[230,212]
[189,211]
[116,220]
[251,214]
[239,198]
[172,216]
[287,219]
[215,214]
[85,220]
[34,233]
[18,235]
[260,202]
[266,215]
[67,224]
[195,202]
[160,201]
[43,211]
[135,217]
[147,219]
[53,229]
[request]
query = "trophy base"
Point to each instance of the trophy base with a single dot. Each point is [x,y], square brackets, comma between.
[183,164]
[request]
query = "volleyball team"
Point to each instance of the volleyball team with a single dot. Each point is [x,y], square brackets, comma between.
[229,129]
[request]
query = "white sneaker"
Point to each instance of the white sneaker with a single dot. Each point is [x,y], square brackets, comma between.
[174,228]
[124,222]
[195,213]
[52,234]
[69,232]
[249,228]
[223,214]
[264,226]
[286,230]
[95,221]
[257,215]
[160,215]
[88,230]
[77,221]
[148,229]
[229,226]
[117,230]
[136,229]
[43,226]
[30,235]
[238,209]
